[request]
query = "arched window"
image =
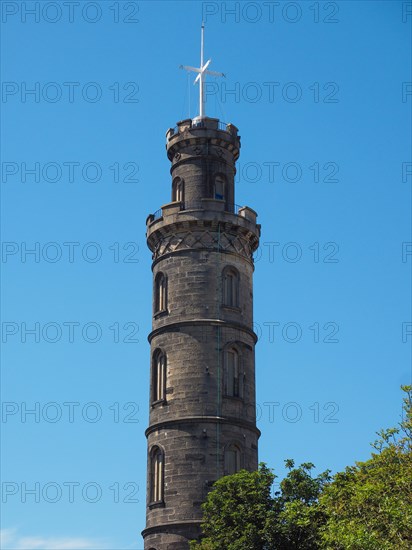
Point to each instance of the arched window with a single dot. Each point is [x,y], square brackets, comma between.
[158,376]
[233,378]
[156,475]
[160,292]
[219,187]
[230,287]
[178,190]
[232,460]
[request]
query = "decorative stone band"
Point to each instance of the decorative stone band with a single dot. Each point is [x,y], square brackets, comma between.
[203,419]
[204,151]
[167,526]
[173,327]
[201,240]
[234,239]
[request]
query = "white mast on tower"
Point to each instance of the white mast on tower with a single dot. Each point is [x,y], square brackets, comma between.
[201,76]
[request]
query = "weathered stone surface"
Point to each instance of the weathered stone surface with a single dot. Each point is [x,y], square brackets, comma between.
[193,243]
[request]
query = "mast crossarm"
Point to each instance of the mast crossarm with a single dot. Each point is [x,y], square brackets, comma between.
[187,68]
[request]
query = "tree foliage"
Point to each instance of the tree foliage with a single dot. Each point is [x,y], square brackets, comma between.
[241,513]
[238,511]
[298,518]
[369,505]
[366,507]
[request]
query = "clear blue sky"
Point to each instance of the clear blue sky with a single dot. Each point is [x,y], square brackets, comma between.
[317,93]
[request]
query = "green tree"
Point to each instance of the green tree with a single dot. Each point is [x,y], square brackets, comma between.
[298,517]
[369,505]
[366,507]
[241,514]
[238,511]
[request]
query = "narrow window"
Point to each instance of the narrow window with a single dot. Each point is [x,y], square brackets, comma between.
[219,187]
[231,287]
[233,386]
[232,460]
[156,475]
[178,190]
[158,376]
[160,292]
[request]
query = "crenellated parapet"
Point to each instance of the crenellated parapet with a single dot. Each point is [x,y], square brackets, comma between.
[204,226]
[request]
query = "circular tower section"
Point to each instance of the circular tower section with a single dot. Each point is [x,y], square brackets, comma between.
[202,374]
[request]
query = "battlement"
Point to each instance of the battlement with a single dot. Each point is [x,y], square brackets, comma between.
[211,205]
[204,123]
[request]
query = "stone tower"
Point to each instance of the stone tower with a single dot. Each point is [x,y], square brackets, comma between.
[202,376]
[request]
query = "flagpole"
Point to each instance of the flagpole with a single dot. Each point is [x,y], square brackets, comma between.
[201,95]
[202,71]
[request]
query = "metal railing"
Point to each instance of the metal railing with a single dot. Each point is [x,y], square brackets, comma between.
[200,124]
[201,205]
[222,126]
[198,205]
